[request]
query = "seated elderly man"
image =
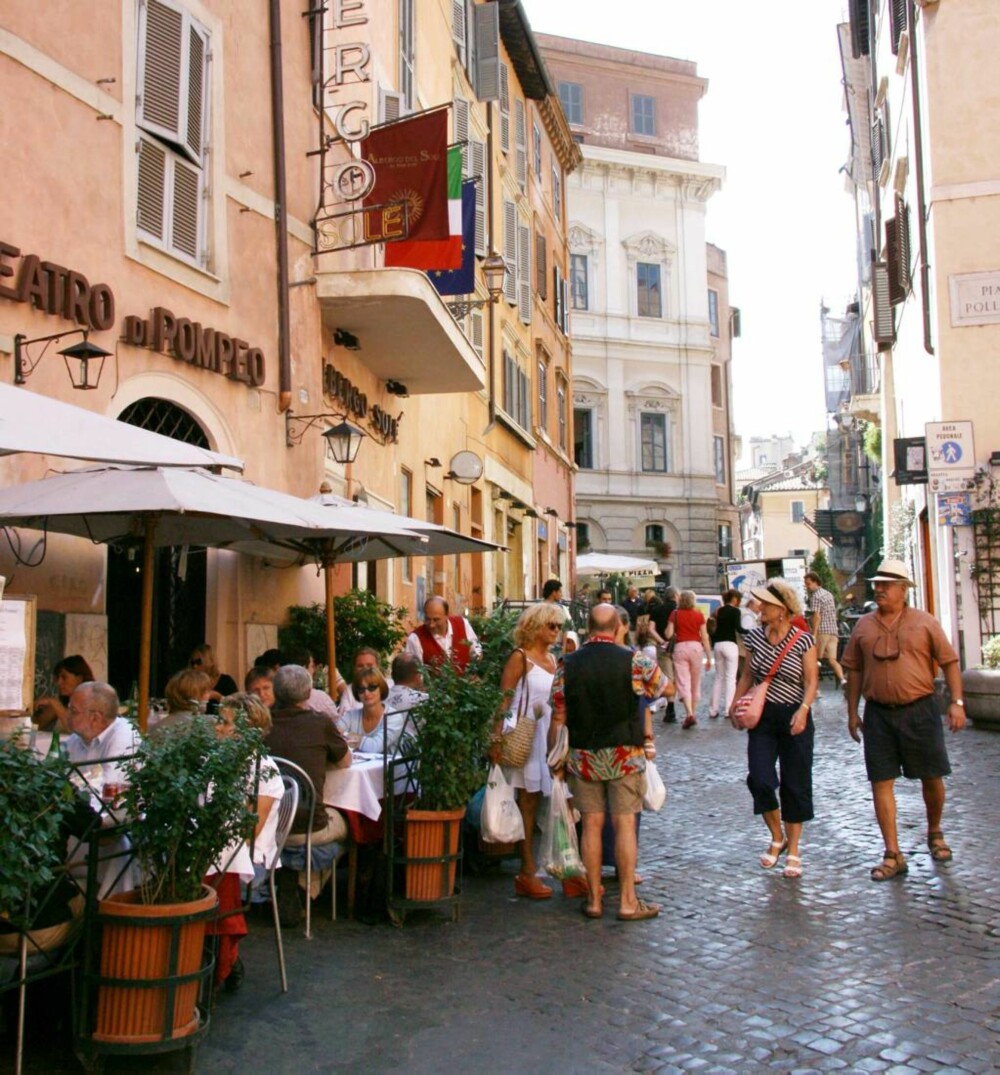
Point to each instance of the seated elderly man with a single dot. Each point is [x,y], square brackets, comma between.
[99,740]
[312,741]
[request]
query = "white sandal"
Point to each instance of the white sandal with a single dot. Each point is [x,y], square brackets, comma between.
[793,867]
[768,860]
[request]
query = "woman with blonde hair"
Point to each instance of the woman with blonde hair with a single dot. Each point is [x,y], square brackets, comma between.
[528,673]
[687,626]
[786,656]
[203,658]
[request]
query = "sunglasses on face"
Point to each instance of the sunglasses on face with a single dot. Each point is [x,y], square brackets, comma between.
[366,688]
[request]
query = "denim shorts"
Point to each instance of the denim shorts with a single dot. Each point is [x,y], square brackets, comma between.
[907,740]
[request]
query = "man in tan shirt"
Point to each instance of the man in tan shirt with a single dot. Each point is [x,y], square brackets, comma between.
[890,660]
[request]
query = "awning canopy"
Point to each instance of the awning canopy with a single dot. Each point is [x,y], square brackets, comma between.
[30,422]
[404,331]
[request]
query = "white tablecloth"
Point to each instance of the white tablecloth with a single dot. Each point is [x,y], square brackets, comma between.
[359,787]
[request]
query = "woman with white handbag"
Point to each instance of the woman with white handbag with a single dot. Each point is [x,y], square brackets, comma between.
[773,703]
[528,673]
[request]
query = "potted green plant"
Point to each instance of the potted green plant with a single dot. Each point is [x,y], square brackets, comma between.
[455,725]
[981,687]
[38,805]
[360,619]
[186,802]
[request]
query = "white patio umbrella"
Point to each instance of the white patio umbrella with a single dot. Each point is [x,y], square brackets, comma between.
[30,422]
[600,563]
[152,506]
[427,539]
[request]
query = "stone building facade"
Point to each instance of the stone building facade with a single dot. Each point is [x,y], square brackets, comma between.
[193,155]
[651,386]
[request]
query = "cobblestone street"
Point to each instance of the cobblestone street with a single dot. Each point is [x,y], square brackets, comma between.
[743,971]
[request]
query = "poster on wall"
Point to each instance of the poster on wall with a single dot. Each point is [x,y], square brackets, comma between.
[954,509]
[793,568]
[743,576]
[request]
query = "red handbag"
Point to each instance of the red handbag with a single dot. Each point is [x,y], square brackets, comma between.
[747,709]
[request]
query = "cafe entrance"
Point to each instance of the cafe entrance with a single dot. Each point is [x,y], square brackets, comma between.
[179,585]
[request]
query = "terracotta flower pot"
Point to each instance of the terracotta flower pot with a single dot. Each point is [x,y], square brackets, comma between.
[136,944]
[45,940]
[432,834]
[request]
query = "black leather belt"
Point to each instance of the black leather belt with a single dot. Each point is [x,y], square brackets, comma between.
[900,705]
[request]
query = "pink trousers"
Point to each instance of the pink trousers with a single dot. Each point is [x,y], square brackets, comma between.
[688,658]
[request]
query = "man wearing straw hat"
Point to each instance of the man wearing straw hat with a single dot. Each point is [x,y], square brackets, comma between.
[890,660]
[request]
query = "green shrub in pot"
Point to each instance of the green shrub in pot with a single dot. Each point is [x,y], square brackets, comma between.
[38,805]
[187,799]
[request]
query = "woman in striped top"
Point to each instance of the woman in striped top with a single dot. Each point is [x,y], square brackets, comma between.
[784,736]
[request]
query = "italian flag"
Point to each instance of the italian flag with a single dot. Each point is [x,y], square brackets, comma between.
[430,254]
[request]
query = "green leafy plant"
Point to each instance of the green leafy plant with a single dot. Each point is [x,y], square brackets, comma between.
[872,442]
[37,803]
[991,652]
[188,798]
[456,721]
[360,619]
[821,566]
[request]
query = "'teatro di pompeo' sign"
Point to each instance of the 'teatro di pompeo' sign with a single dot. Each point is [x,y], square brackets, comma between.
[65,293]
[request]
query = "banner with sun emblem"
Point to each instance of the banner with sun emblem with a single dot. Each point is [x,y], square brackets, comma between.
[411,165]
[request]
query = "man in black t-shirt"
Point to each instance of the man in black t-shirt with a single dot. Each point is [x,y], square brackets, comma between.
[660,614]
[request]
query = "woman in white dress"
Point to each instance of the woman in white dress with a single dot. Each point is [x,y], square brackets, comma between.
[528,673]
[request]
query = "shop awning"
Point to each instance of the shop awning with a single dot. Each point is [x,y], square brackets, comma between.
[402,328]
[30,422]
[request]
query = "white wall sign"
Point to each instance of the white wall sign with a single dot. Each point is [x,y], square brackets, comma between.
[975,298]
[951,456]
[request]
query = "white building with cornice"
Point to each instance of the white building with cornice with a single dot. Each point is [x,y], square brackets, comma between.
[650,317]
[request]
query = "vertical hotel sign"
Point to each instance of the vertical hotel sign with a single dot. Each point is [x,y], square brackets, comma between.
[341,222]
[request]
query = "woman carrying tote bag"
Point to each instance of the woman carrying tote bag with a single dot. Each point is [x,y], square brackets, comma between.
[784,735]
[528,673]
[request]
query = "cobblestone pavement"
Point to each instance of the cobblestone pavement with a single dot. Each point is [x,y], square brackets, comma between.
[743,971]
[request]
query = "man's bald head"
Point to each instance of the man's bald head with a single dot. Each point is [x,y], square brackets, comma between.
[603,619]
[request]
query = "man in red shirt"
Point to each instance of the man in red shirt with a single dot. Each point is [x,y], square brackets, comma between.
[443,637]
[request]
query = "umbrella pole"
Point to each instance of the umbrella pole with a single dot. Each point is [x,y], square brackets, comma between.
[331,644]
[146,626]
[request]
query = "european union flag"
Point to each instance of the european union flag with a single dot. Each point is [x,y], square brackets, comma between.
[461,281]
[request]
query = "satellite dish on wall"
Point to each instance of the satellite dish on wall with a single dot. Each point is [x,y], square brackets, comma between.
[466,467]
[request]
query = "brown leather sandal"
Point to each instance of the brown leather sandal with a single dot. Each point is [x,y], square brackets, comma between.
[940,851]
[893,864]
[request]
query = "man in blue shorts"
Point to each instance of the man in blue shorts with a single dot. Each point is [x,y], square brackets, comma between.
[890,660]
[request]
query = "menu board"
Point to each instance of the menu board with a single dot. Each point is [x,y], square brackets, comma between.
[17,654]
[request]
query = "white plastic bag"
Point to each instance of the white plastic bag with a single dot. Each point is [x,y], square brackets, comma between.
[656,792]
[559,850]
[501,819]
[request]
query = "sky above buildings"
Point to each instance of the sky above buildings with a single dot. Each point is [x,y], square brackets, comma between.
[773,117]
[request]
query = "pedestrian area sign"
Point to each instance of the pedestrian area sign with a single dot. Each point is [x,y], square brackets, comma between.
[951,456]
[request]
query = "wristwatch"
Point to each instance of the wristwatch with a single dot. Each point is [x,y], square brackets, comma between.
[958,701]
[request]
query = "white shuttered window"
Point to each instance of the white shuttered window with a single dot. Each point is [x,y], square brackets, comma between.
[172,117]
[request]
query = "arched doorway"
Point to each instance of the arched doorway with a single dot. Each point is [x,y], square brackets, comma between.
[179,583]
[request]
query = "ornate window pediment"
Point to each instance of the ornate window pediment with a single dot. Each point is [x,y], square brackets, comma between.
[648,246]
[582,240]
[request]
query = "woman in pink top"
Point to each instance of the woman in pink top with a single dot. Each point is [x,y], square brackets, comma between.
[687,627]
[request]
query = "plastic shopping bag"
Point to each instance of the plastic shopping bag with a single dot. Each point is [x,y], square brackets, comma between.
[501,818]
[559,851]
[656,792]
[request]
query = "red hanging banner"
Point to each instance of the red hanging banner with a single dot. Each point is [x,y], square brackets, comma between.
[411,165]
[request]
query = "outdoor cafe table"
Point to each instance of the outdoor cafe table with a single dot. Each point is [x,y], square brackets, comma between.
[357,792]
